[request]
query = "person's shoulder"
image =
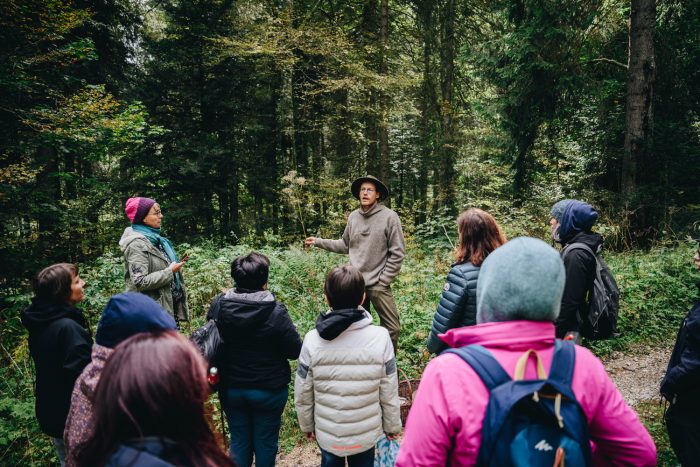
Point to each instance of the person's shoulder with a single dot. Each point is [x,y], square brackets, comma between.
[280,308]
[137,242]
[464,269]
[311,336]
[387,211]
[585,358]
[354,214]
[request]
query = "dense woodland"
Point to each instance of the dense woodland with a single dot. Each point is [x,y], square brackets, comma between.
[247,119]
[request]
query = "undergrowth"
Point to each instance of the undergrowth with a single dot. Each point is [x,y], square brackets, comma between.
[657,289]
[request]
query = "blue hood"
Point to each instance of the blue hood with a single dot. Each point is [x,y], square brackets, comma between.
[578,217]
[130,313]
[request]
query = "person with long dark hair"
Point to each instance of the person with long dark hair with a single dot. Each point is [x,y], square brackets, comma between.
[149,407]
[152,265]
[479,234]
[59,343]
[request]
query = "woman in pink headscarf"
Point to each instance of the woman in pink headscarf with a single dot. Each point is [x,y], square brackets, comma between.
[152,266]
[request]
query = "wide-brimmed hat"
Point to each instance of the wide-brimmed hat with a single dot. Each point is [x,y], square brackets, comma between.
[381,188]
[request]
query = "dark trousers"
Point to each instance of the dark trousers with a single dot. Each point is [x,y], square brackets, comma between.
[683,426]
[254,420]
[382,299]
[363,459]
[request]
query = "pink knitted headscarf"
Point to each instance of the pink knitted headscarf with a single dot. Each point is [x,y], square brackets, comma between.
[137,208]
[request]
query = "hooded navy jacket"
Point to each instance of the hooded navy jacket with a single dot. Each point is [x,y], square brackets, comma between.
[682,380]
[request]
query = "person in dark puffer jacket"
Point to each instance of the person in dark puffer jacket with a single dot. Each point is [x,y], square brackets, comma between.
[681,384]
[479,235]
[571,222]
[258,340]
[59,343]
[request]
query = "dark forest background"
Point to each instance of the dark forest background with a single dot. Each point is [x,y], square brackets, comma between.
[246,120]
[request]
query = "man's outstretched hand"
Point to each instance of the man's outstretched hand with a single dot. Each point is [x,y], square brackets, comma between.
[310,241]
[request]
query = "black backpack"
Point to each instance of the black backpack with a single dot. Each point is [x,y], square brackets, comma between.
[604,298]
[207,338]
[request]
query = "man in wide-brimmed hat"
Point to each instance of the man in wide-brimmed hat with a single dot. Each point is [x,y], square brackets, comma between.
[374,241]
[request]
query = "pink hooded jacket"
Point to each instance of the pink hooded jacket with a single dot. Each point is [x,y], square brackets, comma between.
[444,425]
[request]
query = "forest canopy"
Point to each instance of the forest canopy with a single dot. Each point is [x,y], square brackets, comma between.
[247,119]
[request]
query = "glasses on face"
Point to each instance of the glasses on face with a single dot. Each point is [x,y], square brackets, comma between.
[367,190]
[157,212]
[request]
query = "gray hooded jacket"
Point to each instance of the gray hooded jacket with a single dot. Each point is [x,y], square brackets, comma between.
[147,271]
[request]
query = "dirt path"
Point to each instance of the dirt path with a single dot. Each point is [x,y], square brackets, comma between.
[636,372]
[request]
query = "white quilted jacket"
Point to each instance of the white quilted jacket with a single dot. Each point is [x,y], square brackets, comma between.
[346,389]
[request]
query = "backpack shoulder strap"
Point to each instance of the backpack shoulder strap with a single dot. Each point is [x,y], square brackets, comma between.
[563,362]
[578,246]
[483,363]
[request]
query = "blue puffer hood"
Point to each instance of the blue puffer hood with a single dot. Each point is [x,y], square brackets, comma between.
[578,217]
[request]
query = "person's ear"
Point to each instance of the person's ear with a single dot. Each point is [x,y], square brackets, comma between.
[264,287]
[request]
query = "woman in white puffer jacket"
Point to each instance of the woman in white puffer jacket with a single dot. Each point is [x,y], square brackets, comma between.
[346,390]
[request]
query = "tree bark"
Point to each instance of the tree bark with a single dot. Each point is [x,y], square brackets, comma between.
[384,157]
[369,29]
[428,109]
[447,148]
[640,80]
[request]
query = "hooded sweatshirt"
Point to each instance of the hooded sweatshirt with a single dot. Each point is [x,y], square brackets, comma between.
[60,345]
[374,242]
[345,389]
[258,339]
[444,425]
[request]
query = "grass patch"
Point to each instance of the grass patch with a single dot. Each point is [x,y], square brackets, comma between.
[652,415]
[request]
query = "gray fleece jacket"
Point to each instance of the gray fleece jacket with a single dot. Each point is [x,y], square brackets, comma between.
[374,242]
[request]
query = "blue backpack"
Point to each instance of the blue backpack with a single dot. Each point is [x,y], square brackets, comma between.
[530,422]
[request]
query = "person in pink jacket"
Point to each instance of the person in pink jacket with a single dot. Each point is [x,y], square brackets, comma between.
[518,297]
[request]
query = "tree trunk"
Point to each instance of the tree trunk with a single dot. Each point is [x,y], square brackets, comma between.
[428,109]
[640,79]
[384,161]
[369,28]
[447,137]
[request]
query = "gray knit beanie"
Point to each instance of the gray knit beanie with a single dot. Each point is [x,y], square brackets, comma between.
[558,209]
[521,280]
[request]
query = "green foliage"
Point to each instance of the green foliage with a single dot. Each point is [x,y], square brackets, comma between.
[656,294]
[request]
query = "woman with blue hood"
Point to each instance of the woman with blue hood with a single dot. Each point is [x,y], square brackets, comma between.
[571,223]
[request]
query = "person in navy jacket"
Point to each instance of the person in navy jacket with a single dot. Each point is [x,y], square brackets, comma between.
[681,386]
